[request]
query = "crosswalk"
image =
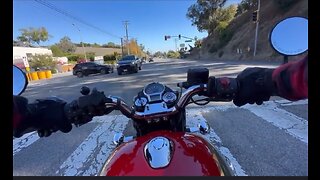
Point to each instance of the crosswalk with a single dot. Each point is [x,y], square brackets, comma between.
[89,156]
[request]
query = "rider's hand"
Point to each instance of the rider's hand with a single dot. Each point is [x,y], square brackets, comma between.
[44,115]
[82,110]
[256,86]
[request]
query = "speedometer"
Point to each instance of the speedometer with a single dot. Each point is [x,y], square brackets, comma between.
[154,91]
[154,88]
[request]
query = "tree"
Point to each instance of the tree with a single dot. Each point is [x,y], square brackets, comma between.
[34,35]
[173,54]
[223,17]
[244,6]
[134,48]
[96,45]
[201,13]
[111,44]
[141,47]
[56,51]
[66,45]
[157,54]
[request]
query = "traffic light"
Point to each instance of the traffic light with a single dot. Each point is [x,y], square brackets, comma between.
[166,37]
[179,36]
[255,16]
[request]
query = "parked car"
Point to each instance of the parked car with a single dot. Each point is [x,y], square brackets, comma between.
[87,68]
[129,63]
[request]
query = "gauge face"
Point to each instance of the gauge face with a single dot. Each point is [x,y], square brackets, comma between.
[169,97]
[154,88]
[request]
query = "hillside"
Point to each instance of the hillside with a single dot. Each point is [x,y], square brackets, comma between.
[244,33]
[98,51]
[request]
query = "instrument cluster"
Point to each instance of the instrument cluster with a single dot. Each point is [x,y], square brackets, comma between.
[155,94]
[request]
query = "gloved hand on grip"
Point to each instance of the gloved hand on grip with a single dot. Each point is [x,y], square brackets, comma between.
[82,110]
[255,86]
[44,115]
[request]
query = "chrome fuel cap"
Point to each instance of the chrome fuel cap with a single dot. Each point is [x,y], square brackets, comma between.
[158,152]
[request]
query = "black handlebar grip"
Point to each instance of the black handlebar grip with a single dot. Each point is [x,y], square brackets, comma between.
[211,87]
[222,88]
[226,88]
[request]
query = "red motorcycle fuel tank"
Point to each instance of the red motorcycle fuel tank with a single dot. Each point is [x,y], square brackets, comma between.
[190,155]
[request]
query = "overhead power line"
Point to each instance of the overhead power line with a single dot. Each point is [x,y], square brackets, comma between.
[61,11]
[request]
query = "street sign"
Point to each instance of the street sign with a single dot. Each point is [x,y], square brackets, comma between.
[182,45]
[25,61]
[188,41]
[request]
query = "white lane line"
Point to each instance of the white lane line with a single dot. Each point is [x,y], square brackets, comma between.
[271,112]
[292,124]
[88,158]
[285,102]
[29,138]
[24,141]
[193,118]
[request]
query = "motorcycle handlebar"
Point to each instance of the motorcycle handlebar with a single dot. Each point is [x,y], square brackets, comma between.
[217,89]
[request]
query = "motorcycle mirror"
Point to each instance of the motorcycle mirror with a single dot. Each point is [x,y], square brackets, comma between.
[19,81]
[290,36]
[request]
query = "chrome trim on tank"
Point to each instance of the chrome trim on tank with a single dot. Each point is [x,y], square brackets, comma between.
[158,152]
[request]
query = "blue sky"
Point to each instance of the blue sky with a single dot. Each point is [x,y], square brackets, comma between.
[149,20]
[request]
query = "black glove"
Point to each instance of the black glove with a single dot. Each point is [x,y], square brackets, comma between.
[82,110]
[44,115]
[255,86]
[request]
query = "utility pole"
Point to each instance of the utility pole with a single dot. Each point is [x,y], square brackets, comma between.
[84,51]
[257,25]
[175,40]
[122,47]
[126,26]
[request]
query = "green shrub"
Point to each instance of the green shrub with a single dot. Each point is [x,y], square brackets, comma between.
[90,55]
[224,37]
[75,57]
[42,62]
[54,71]
[109,57]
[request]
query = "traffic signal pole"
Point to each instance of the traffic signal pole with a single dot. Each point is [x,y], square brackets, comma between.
[257,26]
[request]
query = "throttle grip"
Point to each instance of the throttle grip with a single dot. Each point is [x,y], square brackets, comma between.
[222,88]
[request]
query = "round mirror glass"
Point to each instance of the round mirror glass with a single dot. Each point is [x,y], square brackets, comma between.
[19,81]
[290,36]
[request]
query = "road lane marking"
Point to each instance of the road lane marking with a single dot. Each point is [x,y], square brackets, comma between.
[193,118]
[290,123]
[24,141]
[285,102]
[271,112]
[89,157]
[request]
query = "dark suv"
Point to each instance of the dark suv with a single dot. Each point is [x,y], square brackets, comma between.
[129,63]
[87,68]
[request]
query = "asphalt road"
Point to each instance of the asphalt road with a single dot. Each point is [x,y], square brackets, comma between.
[267,140]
